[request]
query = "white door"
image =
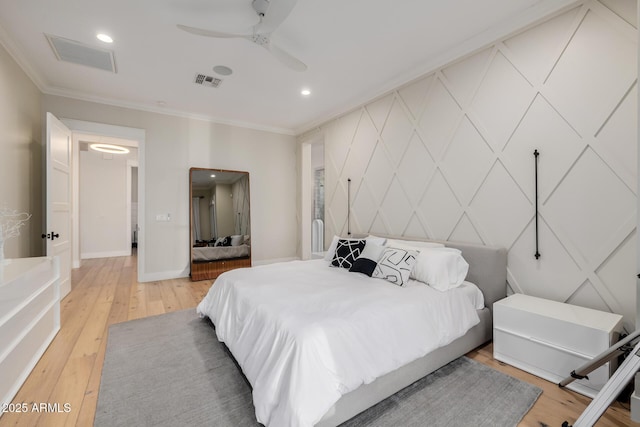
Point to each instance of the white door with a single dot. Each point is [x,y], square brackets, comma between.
[58,229]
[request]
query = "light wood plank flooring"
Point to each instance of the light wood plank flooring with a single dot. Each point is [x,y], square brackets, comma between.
[105,291]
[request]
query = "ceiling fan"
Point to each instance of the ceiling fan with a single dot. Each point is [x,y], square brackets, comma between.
[271,14]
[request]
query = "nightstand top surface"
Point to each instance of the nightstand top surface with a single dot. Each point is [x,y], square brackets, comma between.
[562,311]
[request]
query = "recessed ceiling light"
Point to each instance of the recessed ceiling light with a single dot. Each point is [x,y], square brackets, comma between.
[305,92]
[108,148]
[223,70]
[104,38]
[213,176]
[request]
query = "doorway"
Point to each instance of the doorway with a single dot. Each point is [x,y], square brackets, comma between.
[105,196]
[133,139]
[312,217]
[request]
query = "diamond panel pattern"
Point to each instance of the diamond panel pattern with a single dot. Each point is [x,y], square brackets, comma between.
[379,173]
[397,131]
[536,50]
[465,232]
[605,74]
[590,204]
[465,75]
[588,296]
[379,110]
[396,209]
[364,208]
[450,156]
[467,152]
[440,117]
[415,228]
[415,93]
[416,167]
[501,100]
[618,274]
[439,208]
[499,190]
[559,145]
[364,143]
[616,134]
[554,266]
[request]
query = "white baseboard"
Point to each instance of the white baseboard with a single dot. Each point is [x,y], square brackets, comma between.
[110,254]
[163,275]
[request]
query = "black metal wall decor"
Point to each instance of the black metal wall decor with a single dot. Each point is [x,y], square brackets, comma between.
[348,206]
[535,157]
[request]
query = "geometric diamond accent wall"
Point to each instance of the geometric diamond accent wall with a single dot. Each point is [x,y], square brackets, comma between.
[450,156]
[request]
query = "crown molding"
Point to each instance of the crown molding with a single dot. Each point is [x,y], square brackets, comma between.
[53,91]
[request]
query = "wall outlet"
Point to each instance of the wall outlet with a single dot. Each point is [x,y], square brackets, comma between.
[163,217]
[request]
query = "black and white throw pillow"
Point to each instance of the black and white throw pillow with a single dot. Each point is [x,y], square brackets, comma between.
[395,265]
[346,252]
[368,259]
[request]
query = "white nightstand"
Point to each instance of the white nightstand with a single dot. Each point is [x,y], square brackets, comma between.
[550,339]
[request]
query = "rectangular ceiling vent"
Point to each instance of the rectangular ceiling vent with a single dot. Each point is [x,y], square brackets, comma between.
[79,53]
[208,81]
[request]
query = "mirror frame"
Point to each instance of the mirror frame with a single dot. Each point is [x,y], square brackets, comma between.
[213,170]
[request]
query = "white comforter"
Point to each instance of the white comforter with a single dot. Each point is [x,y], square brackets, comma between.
[305,333]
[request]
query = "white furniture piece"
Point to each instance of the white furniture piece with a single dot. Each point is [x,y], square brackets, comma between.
[29,317]
[550,339]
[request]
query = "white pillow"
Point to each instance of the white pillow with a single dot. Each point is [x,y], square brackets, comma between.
[394,265]
[328,256]
[378,240]
[440,268]
[414,245]
[236,240]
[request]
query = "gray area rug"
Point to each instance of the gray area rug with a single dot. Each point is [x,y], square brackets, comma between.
[170,370]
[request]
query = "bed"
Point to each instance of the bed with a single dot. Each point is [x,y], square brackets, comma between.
[208,262]
[310,368]
[214,253]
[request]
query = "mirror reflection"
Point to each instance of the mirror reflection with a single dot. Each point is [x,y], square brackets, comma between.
[220,222]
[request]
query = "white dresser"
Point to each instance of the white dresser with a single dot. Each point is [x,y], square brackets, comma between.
[550,339]
[29,317]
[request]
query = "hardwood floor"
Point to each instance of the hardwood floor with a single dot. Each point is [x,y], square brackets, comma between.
[105,291]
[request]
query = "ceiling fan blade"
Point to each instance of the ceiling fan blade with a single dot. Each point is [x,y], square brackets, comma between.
[274,16]
[286,58]
[210,33]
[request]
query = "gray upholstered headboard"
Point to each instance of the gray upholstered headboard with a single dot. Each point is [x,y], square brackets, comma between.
[487,267]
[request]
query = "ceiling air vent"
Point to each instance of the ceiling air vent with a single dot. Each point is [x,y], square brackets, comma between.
[208,81]
[79,53]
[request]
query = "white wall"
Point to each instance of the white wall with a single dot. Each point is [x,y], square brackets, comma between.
[450,156]
[21,156]
[103,205]
[172,146]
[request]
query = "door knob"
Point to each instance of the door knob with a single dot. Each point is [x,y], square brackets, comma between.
[51,235]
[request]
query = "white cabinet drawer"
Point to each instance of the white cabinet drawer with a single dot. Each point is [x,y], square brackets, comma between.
[551,339]
[578,337]
[546,360]
[29,317]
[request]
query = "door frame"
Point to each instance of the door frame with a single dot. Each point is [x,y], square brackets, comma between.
[108,131]
[305,206]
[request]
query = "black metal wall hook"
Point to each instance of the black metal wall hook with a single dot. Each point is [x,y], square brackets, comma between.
[536,153]
[348,206]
